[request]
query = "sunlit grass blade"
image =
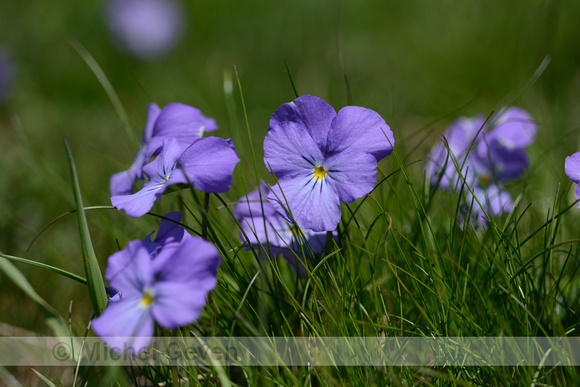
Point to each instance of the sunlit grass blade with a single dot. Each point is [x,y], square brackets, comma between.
[44,378]
[41,265]
[94,277]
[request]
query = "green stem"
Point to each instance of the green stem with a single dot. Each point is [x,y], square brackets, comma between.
[205,215]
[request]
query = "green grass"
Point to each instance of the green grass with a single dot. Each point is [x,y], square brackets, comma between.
[403,266]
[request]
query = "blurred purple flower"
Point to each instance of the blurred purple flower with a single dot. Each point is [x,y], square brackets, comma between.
[322,158]
[500,154]
[460,135]
[208,164]
[6,75]
[495,201]
[486,156]
[146,29]
[168,286]
[497,155]
[264,227]
[572,169]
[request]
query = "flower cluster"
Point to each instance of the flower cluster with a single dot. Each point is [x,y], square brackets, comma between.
[165,281]
[322,158]
[264,229]
[483,156]
[174,135]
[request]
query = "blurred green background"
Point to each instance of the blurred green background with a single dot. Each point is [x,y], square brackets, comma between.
[420,64]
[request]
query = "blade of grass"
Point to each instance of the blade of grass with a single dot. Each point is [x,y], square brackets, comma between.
[291,79]
[41,265]
[94,277]
[104,81]
[43,378]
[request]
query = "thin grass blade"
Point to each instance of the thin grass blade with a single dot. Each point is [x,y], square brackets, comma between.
[94,277]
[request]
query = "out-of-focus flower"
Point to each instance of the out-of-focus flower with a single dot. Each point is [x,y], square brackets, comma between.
[167,285]
[460,135]
[6,75]
[572,169]
[493,200]
[483,157]
[322,158]
[146,29]
[267,230]
[500,153]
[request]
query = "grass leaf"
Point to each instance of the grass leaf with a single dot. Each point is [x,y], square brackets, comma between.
[92,270]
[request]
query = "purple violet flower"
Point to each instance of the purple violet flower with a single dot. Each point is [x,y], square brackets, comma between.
[121,183]
[322,158]
[208,164]
[572,169]
[183,122]
[169,233]
[146,29]
[167,286]
[264,227]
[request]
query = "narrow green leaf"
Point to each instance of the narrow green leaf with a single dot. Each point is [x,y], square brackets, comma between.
[41,265]
[104,81]
[291,79]
[43,378]
[94,277]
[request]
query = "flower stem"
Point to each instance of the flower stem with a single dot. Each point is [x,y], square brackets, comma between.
[204,215]
[329,239]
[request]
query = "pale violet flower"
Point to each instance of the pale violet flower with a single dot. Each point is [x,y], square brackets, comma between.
[272,235]
[176,120]
[207,164]
[167,284]
[322,158]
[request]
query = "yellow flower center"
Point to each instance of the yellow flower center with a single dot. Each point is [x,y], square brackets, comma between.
[148,298]
[320,172]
